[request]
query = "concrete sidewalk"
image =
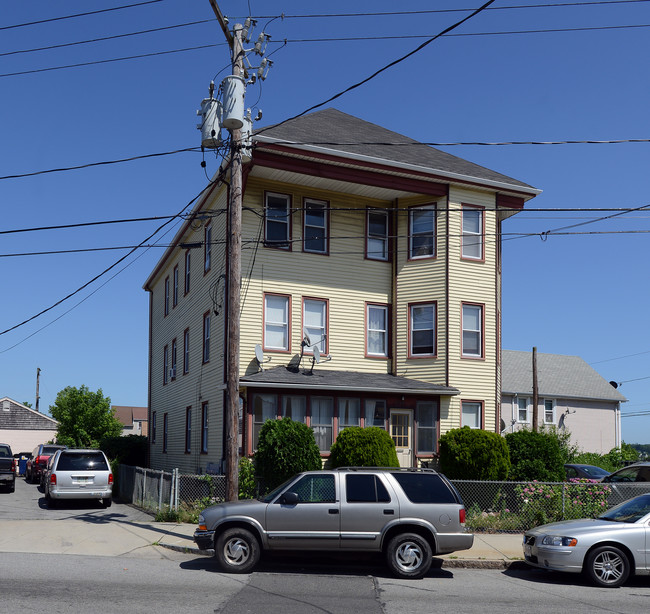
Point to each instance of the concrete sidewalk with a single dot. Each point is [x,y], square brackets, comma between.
[116,537]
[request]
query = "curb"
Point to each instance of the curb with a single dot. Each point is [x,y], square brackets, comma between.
[437,563]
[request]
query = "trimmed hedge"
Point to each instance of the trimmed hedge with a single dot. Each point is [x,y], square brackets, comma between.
[357,447]
[474,454]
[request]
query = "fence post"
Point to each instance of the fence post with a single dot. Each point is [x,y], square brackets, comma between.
[144,485]
[160,485]
[563,500]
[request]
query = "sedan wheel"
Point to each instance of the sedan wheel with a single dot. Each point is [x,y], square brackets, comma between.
[607,566]
[409,555]
[237,551]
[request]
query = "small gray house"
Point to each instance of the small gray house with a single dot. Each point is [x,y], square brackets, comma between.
[571,396]
[24,428]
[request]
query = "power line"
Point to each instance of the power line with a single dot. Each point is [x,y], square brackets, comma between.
[103,163]
[83,224]
[384,68]
[115,8]
[458,10]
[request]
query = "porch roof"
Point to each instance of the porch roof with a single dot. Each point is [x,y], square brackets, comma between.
[353,381]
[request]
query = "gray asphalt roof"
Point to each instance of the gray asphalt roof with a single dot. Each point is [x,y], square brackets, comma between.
[325,379]
[338,131]
[557,376]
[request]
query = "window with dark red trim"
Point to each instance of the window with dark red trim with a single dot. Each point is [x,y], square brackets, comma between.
[422,329]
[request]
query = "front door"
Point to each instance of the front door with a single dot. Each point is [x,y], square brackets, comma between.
[401,430]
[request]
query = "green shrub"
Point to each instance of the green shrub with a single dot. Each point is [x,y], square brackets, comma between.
[247,485]
[535,456]
[473,454]
[285,448]
[357,447]
[129,450]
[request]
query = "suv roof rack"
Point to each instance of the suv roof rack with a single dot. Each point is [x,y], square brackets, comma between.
[405,469]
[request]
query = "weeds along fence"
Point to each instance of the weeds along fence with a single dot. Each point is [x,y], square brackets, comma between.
[513,507]
[154,490]
[491,507]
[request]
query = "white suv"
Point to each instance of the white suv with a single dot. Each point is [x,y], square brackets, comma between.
[79,474]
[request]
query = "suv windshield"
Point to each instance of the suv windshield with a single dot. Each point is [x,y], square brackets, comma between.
[82,462]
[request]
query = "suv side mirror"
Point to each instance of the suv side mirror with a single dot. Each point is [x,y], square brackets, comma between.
[289,498]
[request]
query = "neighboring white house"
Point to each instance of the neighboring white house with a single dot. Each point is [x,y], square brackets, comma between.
[571,396]
[24,428]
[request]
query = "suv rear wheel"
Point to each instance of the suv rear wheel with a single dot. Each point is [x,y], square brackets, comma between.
[408,555]
[237,550]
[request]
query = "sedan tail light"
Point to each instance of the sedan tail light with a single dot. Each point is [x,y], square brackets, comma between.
[53,478]
[461,515]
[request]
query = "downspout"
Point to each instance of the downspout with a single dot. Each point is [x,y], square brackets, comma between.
[149,419]
[498,375]
[447,310]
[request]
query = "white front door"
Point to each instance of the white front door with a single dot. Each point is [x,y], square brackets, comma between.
[401,430]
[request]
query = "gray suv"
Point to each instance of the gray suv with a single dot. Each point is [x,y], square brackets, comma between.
[408,514]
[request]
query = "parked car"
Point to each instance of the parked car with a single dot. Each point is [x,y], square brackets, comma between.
[589,472]
[638,472]
[409,515]
[38,460]
[607,549]
[7,468]
[79,474]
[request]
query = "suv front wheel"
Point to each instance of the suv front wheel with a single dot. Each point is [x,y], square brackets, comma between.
[237,550]
[409,555]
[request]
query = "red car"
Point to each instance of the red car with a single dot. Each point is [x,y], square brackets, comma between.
[37,462]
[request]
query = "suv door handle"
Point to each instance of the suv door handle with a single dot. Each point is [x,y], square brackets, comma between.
[333,510]
[389,512]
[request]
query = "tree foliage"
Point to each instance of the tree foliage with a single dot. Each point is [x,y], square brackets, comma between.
[535,456]
[285,448]
[84,417]
[363,447]
[474,454]
[129,450]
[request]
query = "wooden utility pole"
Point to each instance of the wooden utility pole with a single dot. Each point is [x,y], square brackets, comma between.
[535,392]
[231,453]
[38,378]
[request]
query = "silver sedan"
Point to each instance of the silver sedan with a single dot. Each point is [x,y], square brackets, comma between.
[607,549]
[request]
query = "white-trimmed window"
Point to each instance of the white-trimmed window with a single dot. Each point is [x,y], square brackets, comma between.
[322,421]
[186,351]
[377,234]
[375,413]
[422,324]
[265,407]
[165,364]
[207,251]
[166,296]
[276,322]
[314,320]
[175,287]
[294,407]
[314,232]
[473,221]
[206,337]
[188,270]
[472,330]
[188,429]
[422,232]
[522,410]
[472,413]
[349,412]
[277,220]
[549,411]
[377,330]
[204,428]
[165,431]
[427,427]
[172,371]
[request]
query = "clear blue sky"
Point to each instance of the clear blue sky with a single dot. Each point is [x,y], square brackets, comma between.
[575,294]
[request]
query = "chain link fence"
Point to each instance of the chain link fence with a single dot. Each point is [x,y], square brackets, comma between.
[155,491]
[514,507]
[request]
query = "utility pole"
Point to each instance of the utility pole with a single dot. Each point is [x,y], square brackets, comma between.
[231,452]
[38,378]
[230,115]
[535,392]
